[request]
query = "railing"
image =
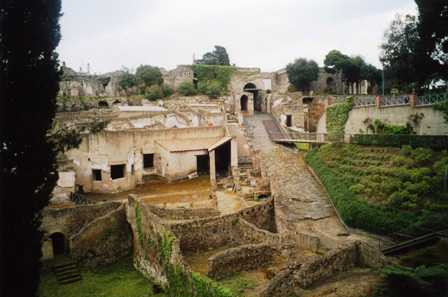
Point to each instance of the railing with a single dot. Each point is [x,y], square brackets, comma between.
[430,99]
[318,137]
[395,100]
[364,101]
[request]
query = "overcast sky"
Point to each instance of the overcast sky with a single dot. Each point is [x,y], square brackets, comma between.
[110,34]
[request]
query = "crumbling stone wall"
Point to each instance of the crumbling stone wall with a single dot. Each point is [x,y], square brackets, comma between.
[261,215]
[104,240]
[298,276]
[70,220]
[242,258]
[184,213]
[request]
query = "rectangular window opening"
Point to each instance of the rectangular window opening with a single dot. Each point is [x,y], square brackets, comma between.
[148,160]
[117,171]
[96,174]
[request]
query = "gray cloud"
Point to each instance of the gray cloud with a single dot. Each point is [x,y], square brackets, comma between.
[262,33]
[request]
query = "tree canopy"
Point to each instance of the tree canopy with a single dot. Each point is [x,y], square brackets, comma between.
[218,57]
[353,68]
[148,75]
[399,56]
[30,74]
[432,45]
[302,72]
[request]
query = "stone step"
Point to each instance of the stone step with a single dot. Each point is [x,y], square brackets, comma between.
[67,272]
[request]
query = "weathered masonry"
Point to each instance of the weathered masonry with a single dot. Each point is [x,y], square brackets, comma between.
[113,161]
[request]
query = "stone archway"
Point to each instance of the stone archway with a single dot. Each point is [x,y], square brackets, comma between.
[103,104]
[59,244]
[243,102]
[252,88]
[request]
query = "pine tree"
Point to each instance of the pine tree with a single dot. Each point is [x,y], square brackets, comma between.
[29,76]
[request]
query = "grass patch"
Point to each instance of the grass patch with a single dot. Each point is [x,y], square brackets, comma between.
[239,283]
[116,280]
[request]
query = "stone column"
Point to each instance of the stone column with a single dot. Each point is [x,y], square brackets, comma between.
[413,100]
[234,163]
[212,166]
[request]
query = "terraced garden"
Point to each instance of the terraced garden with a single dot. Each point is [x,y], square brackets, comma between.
[385,190]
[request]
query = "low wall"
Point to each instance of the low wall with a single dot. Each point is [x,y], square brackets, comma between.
[184,213]
[432,122]
[70,220]
[242,258]
[300,276]
[104,240]
[229,230]
[261,215]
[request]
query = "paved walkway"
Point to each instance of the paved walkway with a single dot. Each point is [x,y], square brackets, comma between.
[301,202]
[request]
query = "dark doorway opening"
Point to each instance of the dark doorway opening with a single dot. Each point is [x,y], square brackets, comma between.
[148,161]
[252,88]
[103,104]
[58,242]
[288,120]
[244,100]
[96,174]
[222,156]
[117,171]
[202,164]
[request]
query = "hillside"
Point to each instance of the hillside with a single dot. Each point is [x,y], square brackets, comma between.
[385,190]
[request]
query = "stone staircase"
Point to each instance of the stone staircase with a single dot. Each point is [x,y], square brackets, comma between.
[66,271]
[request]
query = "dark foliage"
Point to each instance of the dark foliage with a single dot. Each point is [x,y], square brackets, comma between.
[218,57]
[29,77]
[432,47]
[437,142]
[302,72]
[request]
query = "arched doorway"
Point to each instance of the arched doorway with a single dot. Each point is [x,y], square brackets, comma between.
[331,85]
[252,88]
[243,102]
[58,243]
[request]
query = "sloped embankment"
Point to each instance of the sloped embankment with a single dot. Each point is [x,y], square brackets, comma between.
[385,190]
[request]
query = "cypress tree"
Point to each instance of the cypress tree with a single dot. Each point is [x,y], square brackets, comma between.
[29,77]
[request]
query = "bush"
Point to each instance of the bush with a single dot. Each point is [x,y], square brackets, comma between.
[421,281]
[337,116]
[437,142]
[154,92]
[211,89]
[187,88]
[354,211]
[167,90]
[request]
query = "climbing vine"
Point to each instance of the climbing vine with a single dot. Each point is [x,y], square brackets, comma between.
[213,80]
[337,116]
[180,282]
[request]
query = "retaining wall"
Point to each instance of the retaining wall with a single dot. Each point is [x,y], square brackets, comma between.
[104,240]
[242,258]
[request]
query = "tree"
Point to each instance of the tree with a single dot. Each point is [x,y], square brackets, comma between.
[399,56]
[302,72]
[148,75]
[218,57]
[29,75]
[127,80]
[432,45]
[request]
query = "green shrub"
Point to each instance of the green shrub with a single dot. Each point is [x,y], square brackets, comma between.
[420,281]
[210,88]
[154,92]
[437,142]
[187,88]
[167,90]
[337,116]
[353,210]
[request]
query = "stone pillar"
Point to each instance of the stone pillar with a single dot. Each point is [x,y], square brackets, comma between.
[413,100]
[212,165]
[378,102]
